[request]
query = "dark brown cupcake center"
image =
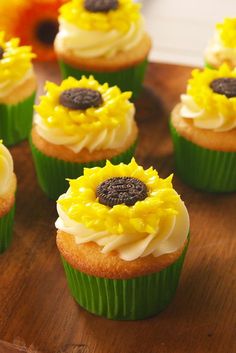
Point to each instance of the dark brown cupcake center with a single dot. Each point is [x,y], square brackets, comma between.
[1,52]
[46,31]
[225,86]
[81,98]
[101,5]
[121,190]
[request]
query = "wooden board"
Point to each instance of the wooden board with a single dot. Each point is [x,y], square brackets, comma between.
[35,304]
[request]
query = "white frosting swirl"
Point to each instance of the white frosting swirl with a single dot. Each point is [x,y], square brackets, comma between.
[6,169]
[216,53]
[8,86]
[92,44]
[202,119]
[168,238]
[106,139]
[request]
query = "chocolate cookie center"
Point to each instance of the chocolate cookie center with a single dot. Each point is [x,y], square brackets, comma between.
[80,98]
[46,31]
[118,190]
[1,52]
[225,86]
[101,5]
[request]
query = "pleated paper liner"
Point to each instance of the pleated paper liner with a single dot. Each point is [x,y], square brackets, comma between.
[6,229]
[204,169]
[53,172]
[125,299]
[16,121]
[130,79]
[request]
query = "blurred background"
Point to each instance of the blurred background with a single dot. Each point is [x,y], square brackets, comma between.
[180,29]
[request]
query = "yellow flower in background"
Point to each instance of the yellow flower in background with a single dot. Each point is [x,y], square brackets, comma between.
[15,60]
[227,32]
[110,114]
[34,21]
[203,95]
[120,19]
[81,204]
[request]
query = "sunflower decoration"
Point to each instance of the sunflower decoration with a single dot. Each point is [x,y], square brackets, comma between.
[148,203]
[15,60]
[55,112]
[35,22]
[227,32]
[215,91]
[122,13]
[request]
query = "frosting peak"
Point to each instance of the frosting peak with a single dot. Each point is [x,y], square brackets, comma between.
[155,225]
[207,108]
[6,169]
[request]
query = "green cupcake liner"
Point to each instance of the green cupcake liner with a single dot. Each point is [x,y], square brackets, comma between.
[209,66]
[6,229]
[125,299]
[127,80]
[16,121]
[53,172]
[204,169]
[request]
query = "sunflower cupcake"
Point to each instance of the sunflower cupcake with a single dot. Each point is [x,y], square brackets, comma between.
[122,235]
[106,39]
[7,197]
[17,90]
[203,128]
[80,124]
[222,47]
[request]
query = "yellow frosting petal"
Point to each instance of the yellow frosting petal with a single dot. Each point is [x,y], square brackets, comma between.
[110,114]
[227,32]
[128,12]
[203,95]
[16,59]
[80,202]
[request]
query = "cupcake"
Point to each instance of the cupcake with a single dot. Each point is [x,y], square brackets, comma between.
[106,39]
[17,90]
[203,129]
[7,197]
[122,235]
[222,47]
[80,124]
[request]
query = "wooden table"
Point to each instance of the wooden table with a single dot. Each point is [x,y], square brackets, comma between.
[35,304]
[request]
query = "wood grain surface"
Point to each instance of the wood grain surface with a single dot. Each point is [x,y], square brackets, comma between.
[35,304]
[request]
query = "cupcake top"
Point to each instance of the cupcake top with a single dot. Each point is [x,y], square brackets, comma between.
[223,45]
[211,99]
[95,28]
[15,64]
[84,114]
[6,169]
[126,209]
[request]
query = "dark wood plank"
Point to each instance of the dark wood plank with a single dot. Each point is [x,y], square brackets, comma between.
[34,300]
